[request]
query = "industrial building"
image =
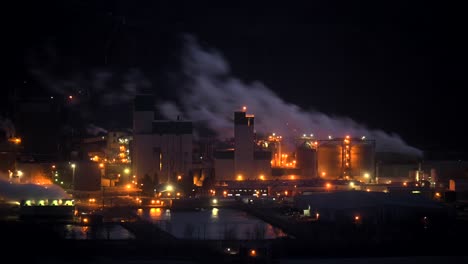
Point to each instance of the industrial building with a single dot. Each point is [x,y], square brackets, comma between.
[244,161]
[161,149]
[346,158]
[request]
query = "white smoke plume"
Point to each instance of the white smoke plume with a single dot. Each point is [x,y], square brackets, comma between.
[7,126]
[212,94]
[96,87]
[94,130]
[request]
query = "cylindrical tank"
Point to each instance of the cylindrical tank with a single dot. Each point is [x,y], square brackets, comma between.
[329,159]
[362,159]
[306,160]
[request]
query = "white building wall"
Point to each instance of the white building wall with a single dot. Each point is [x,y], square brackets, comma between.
[176,154]
[145,160]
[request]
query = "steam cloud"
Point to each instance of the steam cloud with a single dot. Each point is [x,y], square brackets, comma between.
[95,130]
[212,94]
[17,192]
[7,126]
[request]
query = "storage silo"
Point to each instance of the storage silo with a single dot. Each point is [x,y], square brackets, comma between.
[306,159]
[329,159]
[362,158]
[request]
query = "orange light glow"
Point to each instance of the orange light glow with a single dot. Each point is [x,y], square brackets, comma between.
[253,253]
[328,185]
[15,140]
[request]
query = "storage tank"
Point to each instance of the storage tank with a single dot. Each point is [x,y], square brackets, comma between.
[329,159]
[306,159]
[362,158]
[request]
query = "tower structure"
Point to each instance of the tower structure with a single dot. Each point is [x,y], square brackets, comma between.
[244,141]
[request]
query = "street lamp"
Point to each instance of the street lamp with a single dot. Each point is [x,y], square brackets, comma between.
[367,176]
[73,175]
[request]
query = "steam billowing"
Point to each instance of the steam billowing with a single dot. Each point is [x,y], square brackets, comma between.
[212,94]
[17,192]
[94,130]
[7,126]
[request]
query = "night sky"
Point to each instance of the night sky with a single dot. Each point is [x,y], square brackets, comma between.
[397,66]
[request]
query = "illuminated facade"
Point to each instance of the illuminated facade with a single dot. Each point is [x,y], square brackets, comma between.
[162,149]
[243,162]
[346,158]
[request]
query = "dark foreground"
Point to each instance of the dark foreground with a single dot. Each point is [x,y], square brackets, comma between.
[42,243]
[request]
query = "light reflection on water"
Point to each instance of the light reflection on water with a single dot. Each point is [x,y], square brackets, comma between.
[213,223]
[79,232]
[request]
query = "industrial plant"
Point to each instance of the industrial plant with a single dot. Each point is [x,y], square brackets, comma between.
[341,185]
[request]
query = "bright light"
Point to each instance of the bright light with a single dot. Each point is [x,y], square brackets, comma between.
[73,165]
[356,217]
[126,170]
[351,184]
[262,177]
[363,137]
[101,165]
[169,188]
[179,178]
[324,173]
[244,108]
[214,212]
[215,201]
[19,173]
[15,140]
[239,177]
[366,175]
[329,137]
[253,253]
[328,185]
[85,220]
[128,186]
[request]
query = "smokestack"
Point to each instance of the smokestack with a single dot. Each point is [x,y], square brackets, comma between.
[211,92]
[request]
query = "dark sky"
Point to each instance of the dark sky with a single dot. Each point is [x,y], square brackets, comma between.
[398,66]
